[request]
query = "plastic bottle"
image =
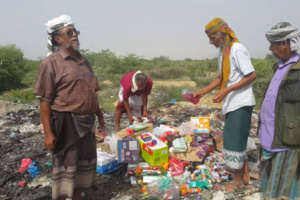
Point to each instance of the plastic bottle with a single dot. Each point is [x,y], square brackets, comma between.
[188,95]
[194,190]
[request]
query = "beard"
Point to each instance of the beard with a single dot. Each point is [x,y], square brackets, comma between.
[74,47]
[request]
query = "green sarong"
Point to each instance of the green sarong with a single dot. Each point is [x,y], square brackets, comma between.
[235,136]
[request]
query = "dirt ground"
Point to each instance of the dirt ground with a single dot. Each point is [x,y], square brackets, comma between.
[27,142]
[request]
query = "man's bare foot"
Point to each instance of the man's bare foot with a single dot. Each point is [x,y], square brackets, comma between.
[247,181]
[233,188]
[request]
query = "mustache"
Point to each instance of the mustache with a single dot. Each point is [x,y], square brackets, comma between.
[74,38]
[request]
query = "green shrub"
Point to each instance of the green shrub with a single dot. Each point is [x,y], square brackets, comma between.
[263,69]
[11,67]
[107,97]
[203,81]
[165,94]
[167,73]
[30,73]
[20,96]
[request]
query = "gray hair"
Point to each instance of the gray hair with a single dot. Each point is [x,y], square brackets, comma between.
[141,77]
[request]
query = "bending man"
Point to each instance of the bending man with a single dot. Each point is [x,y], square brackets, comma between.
[133,96]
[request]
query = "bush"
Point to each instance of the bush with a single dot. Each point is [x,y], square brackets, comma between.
[263,69]
[20,96]
[107,97]
[31,73]
[11,67]
[167,73]
[165,94]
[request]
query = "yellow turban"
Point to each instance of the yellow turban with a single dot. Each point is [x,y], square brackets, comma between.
[219,25]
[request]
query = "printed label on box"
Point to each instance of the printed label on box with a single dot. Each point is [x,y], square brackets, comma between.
[202,124]
[133,145]
[128,150]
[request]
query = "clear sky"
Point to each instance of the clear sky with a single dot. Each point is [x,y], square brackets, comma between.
[147,28]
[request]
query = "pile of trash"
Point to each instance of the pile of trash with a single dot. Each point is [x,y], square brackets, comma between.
[175,154]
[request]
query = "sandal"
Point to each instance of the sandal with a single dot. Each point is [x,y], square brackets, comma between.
[235,188]
[248,184]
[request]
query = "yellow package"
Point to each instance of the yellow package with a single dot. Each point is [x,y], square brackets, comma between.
[202,124]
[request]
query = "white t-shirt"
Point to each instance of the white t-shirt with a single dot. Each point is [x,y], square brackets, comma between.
[240,66]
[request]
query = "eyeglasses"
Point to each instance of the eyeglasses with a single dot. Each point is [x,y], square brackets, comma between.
[71,31]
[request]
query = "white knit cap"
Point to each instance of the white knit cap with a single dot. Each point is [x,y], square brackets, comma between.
[54,25]
[284,31]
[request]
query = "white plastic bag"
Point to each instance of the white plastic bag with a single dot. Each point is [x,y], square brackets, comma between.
[251,144]
[113,143]
[158,132]
[187,128]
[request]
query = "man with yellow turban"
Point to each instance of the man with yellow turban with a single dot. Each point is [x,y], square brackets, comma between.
[235,90]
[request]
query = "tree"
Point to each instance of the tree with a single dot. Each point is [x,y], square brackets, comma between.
[11,67]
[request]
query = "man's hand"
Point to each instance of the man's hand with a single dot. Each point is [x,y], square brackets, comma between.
[145,113]
[101,123]
[131,119]
[220,95]
[199,93]
[49,141]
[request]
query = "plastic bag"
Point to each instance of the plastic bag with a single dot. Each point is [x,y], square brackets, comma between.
[182,179]
[187,128]
[164,188]
[158,132]
[113,143]
[251,144]
[25,162]
[33,170]
[177,166]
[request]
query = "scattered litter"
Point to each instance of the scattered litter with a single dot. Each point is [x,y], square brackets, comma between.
[25,162]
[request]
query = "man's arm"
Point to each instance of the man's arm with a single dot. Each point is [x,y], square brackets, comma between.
[49,138]
[221,94]
[127,108]
[100,118]
[145,103]
[209,88]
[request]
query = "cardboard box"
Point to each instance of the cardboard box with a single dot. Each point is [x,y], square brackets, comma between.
[190,155]
[122,133]
[160,152]
[169,128]
[105,168]
[218,140]
[202,124]
[128,150]
[105,162]
[179,145]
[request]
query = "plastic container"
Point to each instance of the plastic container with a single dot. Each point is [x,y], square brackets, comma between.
[188,95]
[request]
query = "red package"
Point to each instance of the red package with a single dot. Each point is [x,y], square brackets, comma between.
[22,183]
[25,162]
[176,167]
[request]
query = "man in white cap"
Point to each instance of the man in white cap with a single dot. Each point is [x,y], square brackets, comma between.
[67,87]
[133,96]
[279,130]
